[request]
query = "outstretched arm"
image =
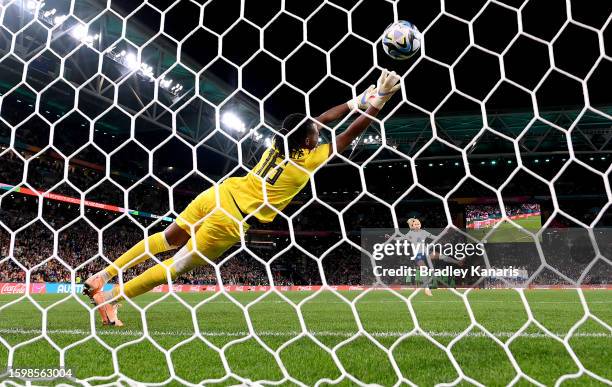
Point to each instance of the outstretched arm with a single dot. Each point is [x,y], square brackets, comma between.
[337,112]
[388,84]
[355,129]
[334,114]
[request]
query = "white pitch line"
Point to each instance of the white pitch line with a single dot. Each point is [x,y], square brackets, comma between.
[138,333]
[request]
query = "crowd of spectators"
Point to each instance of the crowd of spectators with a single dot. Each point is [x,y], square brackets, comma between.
[484,212]
[82,247]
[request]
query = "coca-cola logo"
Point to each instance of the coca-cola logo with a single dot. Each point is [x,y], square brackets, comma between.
[12,288]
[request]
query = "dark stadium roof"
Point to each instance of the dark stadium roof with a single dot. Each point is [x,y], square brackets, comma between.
[458,120]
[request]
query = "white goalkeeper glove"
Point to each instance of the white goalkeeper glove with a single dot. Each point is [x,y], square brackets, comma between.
[388,83]
[361,101]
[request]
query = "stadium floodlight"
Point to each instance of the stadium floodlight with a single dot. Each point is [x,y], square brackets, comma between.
[79,32]
[59,19]
[268,142]
[165,83]
[50,12]
[31,5]
[147,71]
[232,121]
[131,61]
[256,135]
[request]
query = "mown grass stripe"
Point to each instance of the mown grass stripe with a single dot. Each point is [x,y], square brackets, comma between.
[138,333]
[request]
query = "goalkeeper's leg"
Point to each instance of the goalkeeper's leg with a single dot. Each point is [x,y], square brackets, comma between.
[446,258]
[426,280]
[216,234]
[185,260]
[106,301]
[157,243]
[176,235]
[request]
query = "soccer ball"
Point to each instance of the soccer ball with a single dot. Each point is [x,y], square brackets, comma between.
[401,40]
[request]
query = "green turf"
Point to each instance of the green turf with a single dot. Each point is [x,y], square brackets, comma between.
[224,354]
[506,232]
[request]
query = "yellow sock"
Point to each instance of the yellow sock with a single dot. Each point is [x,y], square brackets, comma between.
[154,276]
[157,244]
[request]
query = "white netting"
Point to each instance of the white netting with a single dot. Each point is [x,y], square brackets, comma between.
[76,26]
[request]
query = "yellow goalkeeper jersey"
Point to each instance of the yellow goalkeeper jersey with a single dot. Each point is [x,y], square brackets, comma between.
[283,180]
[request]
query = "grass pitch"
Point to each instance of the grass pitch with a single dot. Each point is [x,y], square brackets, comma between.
[382,357]
[508,233]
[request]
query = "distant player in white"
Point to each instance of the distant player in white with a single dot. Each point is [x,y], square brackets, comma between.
[417,237]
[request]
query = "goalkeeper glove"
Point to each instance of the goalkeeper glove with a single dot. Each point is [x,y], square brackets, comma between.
[361,101]
[388,83]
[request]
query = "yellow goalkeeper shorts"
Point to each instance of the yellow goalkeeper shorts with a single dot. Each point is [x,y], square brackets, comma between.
[215,231]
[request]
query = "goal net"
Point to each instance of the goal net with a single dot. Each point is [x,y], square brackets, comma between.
[115,115]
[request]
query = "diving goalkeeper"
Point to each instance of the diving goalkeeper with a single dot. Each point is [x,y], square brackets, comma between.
[204,227]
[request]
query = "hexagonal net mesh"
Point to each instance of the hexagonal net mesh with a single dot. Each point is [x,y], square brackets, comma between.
[115,115]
